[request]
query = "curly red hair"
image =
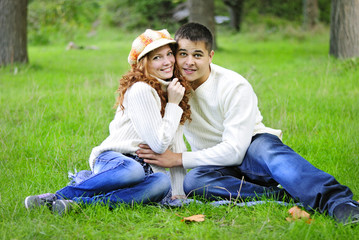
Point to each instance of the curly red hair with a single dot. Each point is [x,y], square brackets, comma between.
[139,73]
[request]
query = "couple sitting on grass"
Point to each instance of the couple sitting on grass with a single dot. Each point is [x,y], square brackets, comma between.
[173,87]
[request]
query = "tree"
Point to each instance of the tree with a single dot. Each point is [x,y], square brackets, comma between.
[235,8]
[310,13]
[344,30]
[202,11]
[13,32]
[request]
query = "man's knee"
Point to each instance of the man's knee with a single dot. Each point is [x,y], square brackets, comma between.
[195,179]
[263,144]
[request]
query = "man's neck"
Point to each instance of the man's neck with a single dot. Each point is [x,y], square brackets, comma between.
[195,84]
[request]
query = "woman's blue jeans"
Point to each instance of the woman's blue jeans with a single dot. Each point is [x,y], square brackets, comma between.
[118,179]
[267,163]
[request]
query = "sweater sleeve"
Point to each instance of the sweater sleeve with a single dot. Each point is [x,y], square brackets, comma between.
[239,108]
[144,108]
[177,178]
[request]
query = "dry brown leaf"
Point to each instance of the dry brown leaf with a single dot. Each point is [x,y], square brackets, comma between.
[298,213]
[194,218]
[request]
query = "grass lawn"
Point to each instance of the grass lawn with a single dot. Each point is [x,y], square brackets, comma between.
[57,108]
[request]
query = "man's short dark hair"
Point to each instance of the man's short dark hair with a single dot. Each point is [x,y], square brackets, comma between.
[195,32]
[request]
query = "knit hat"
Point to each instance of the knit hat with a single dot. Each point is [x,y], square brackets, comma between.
[146,42]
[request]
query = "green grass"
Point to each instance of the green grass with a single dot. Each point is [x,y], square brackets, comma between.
[56,109]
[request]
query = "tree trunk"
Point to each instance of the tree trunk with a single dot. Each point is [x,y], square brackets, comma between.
[310,13]
[344,29]
[235,8]
[202,11]
[13,32]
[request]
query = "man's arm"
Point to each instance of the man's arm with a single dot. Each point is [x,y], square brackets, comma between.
[221,130]
[168,159]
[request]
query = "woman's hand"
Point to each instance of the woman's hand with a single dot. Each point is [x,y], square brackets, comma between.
[175,91]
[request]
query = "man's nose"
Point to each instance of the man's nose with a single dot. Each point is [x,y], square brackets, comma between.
[189,60]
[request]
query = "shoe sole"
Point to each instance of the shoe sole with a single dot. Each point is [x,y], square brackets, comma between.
[32,202]
[59,207]
[352,222]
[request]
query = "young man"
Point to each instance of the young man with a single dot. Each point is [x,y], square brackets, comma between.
[230,143]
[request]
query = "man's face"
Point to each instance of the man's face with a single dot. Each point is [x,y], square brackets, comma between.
[193,60]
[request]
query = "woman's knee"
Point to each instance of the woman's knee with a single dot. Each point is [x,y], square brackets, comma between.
[126,173]
[131,170]
[162,180]
[160,184]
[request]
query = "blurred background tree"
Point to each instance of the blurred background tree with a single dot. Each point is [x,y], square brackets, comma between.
[65,20]
[13,40]
[53,20]
[310,13]
[202,11]
[344,29]
[235,9]
[48,19]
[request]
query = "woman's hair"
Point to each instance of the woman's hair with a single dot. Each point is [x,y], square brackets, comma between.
[139,73]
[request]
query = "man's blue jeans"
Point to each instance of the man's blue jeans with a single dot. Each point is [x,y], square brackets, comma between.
[118,179]
[267,163]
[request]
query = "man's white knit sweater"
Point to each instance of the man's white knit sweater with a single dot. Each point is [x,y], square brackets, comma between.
[225,116]
[141,123]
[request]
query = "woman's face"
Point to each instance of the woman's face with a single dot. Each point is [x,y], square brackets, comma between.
[161,62]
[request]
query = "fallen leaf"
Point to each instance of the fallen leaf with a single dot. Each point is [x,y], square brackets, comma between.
[297,213]
[194,218]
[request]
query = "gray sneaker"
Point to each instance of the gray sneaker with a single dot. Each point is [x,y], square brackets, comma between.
[347,213]
[37,201]
[61,207]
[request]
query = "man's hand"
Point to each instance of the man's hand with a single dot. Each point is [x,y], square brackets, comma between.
[167,159]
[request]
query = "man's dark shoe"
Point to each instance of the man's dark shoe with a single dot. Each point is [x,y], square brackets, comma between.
[62,207]
[37,201]
[347,213]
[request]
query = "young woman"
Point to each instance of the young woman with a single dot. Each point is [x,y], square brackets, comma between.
[152,107]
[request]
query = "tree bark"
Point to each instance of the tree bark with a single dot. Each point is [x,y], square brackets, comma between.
[13,32]
[202,11]
[310,13]
[235,12]
[344,29]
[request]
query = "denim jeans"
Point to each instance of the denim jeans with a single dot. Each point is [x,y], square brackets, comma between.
[267,163]
[117,178]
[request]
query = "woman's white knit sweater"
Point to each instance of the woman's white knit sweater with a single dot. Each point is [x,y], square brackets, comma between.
[141,123]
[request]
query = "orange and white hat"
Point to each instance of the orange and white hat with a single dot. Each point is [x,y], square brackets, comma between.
[147,42]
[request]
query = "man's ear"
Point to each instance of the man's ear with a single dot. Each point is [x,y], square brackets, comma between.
[211,56]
